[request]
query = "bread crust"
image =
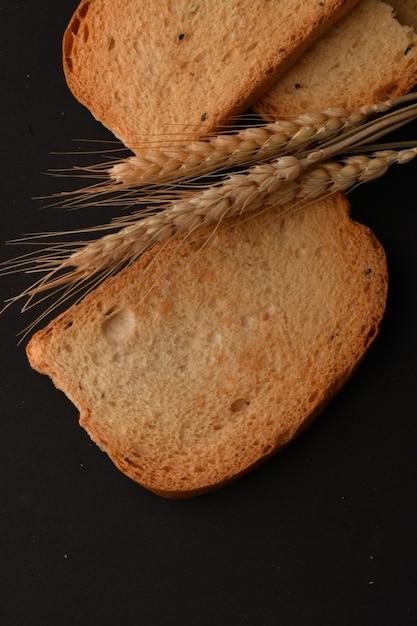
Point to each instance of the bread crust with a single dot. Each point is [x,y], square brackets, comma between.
[169,71]
[199,362]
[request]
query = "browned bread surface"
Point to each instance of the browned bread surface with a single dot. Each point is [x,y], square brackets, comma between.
[191,370]
[367,56]
[163,69]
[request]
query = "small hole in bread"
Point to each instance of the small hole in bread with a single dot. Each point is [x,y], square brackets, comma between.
[251,46]
[75,25]
[118,327]
[371,334]
[239,405]
[313,396]
[68,44]
[387,91]
[83,10]
[131,463]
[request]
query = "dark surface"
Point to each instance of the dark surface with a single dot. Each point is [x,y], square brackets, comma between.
[324,534]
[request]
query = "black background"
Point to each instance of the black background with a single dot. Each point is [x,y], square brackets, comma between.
[325,533]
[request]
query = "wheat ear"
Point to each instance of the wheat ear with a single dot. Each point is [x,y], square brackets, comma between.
[259,143]
[227,150]
[190,161]
[256,143]
[285,180]
[278,184]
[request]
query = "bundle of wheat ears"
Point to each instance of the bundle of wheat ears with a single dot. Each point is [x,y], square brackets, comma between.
[177,190]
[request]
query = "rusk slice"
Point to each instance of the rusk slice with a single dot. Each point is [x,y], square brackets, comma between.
[174,69]
[368,56]
[198,362]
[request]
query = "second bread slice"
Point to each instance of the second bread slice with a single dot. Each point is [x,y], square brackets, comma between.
[368,56]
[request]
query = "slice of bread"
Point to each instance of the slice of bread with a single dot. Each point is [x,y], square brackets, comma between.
[198,362]
[368,56]
[178,69]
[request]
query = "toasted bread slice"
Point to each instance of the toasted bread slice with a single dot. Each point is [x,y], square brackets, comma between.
[203,358]
[368,56]
[154,71]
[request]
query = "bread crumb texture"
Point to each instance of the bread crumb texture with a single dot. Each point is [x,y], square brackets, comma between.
[190,370]
[350,66]
[135,64]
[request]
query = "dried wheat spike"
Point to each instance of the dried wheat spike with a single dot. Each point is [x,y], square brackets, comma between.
[191,161]
[286,182]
